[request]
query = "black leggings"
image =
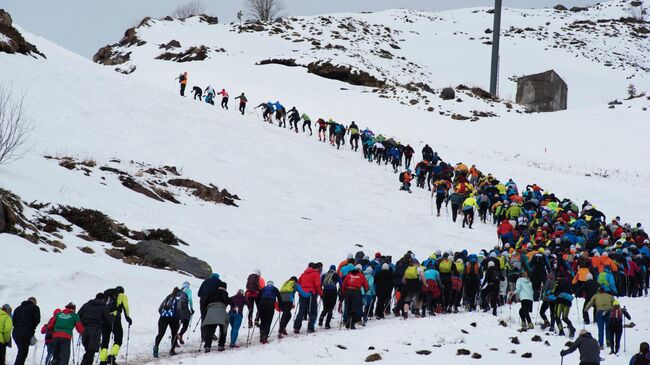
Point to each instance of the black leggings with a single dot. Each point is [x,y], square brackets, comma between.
[524,311]
[185,324]
[306,123]
[542,312]
[163,323]
[329,302]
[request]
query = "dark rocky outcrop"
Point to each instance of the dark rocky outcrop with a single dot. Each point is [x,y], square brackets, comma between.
[109,56]
[345,74]
[191,54]
[97,224]
[207,193]
[209,19]
[129,183]
[373,357]
[291,62]
[172,44]
[163,256]
[14,41]
[560,7]
[447,93]
[577,9]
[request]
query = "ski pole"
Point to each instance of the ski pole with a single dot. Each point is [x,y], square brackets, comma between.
[276,322]
[624,342]
[128,337]
[78,349]
[196,326]
[42,354]
[74,361]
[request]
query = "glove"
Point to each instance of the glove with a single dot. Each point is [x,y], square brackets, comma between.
[129,321]
[562,353]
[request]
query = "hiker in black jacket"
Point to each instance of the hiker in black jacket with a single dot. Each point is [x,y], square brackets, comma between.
[94,316]
[588,347]
[26,318]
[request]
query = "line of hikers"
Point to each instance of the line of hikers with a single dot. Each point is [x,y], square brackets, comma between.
[441,283]
[96,322]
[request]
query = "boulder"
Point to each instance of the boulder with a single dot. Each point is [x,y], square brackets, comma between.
[543,92]
[161,255]
[209,19]
[447,93]
[373,357]
[560,7]
[577,9]
[5,18]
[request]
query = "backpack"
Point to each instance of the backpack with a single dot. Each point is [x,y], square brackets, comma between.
[462,188]
[288,286]
[183,306]
[472,269]
[253,283]
[169,307]
[328,279]
[445,266]
[433,288]
[456,284]
[111,299]
[411,273]
[401,177]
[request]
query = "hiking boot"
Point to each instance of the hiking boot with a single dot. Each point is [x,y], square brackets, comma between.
[180,340]
[561,333]
[155,353]
[545,325]
[172,352]
[320,322]
[531,326]
[311,330]
[221,348]
[111,360]
[284,332]
[296,331]
[280,335]
[572,332]
[264,341]
[234,346]
[353,327]
[327,326]
[206,350]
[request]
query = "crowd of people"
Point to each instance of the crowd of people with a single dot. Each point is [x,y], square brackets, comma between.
[97,322]
[550,251]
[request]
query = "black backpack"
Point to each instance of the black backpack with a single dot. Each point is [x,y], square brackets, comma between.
[111,299]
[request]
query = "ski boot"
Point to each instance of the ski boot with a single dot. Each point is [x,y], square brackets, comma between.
[155,352]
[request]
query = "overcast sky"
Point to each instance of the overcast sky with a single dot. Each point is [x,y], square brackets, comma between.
[84,26]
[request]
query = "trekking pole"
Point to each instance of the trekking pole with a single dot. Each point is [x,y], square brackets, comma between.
[78,349]
[561,360]
[42,354]
[624,342]
[128,337]
[196,326]
[276,322]
[74,361]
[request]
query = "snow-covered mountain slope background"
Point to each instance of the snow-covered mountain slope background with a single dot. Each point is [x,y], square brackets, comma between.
[302,200]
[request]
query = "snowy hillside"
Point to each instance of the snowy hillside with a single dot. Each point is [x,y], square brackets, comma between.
[301,200]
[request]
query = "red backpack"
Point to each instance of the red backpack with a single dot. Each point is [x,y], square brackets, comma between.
[433,288]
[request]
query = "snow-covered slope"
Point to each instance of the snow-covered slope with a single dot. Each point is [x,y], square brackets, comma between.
[301,200]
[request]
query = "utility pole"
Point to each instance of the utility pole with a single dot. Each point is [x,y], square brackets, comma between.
[496,34]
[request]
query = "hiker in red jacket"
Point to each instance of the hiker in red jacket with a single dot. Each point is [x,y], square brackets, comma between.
[505,232]
[354,281]
[310,283]
[62,326]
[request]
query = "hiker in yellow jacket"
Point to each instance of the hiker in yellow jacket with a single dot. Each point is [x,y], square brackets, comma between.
[468,207]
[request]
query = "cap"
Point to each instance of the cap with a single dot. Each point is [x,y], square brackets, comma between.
[377,255]
[359,267]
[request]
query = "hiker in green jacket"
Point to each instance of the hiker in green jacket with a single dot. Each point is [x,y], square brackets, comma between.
[62,326]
